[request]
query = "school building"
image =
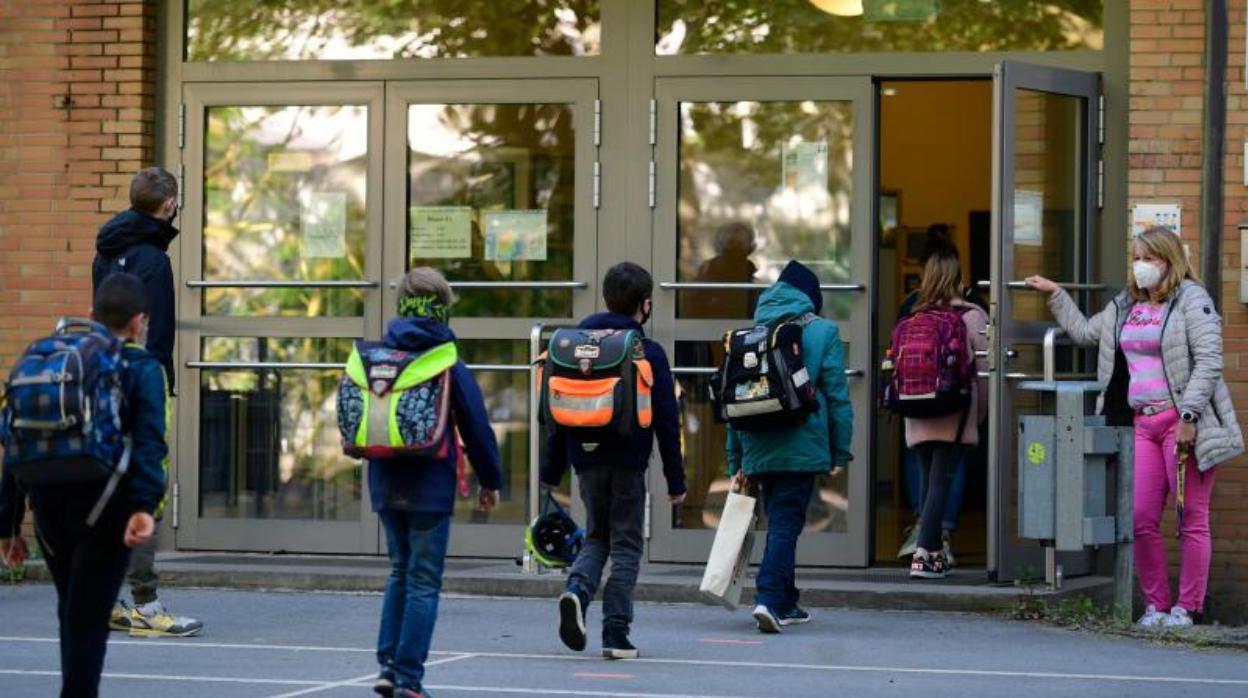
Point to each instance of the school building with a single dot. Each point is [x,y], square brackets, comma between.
[525,147]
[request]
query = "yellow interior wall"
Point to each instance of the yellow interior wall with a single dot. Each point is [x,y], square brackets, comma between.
[936,151]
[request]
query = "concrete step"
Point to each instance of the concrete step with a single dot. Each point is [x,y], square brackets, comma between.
[965,590]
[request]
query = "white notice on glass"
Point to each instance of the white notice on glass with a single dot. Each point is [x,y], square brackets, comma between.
[440,232]
[514,236]
[806,166]
[1028,217]
[1145,216]
[324,225]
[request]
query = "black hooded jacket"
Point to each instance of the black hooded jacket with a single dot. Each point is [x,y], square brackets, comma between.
[137,243]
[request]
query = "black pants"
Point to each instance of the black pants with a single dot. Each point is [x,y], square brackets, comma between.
[87,566]
[939,461]
[615,505]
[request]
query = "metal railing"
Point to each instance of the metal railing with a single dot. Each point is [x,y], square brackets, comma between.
[278,283]
[1068,285]
[750,286]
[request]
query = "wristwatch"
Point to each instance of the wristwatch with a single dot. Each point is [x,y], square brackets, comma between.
[1189,416]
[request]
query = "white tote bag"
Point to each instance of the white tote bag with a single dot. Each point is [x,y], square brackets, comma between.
[730,553]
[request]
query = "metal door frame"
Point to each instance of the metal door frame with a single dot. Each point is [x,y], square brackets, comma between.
[497,540]
[850,548]
[265,534]
[1006,558]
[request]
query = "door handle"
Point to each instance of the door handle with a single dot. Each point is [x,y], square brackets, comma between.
[983,354]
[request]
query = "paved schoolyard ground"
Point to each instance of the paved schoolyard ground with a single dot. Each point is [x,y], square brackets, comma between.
[304,644]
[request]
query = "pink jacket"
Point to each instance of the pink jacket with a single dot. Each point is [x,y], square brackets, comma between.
[946,428]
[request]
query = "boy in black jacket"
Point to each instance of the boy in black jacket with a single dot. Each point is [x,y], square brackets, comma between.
[613,480]
[88,562]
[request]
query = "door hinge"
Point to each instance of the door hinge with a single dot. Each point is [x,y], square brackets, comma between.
[181,184]
[1100,182]
[176,502]
[597,122]
[1100,120]
[651,187]
[181,126]
[646,533]
[597,184]
[654,122]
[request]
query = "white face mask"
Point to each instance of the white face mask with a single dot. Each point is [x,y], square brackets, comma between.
[1147,274]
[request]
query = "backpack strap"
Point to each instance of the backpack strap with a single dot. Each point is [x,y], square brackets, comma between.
[113,480]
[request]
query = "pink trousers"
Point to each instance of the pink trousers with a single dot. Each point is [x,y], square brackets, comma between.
[1156,465]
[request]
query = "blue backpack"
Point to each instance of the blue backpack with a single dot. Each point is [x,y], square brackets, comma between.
[61,418]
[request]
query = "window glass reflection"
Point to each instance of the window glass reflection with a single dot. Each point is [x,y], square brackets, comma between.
[492,197]
[851,26]
[285,200]
[269,444]
[762,183]
[371,29]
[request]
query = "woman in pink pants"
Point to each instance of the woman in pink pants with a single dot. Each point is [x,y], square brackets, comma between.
[1160,357]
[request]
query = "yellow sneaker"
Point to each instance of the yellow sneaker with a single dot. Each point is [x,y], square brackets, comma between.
[157,622]
[119,618]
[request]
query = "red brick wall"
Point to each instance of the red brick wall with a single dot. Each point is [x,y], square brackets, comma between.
[77,113]
[1166,155]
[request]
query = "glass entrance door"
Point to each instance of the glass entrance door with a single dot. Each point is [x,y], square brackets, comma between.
[492,182]
[282,261]
[752,172]
[1045,152]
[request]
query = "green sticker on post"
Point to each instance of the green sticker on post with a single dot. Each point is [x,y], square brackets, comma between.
[1036,453]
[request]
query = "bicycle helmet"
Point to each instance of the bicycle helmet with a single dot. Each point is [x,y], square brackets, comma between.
[554,539]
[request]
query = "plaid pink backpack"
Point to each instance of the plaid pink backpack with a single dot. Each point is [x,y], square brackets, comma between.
[932,367]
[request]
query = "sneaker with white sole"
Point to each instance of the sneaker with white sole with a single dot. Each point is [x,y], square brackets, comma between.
[1152,618]
[119,617]
[1178,618]
[950,560]
[795,616]
[767,621]
[911,542]
[928,565]
[152,620]
[572,621]
[384,685]
[615,644]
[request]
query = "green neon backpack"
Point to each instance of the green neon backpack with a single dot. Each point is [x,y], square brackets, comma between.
[396,403]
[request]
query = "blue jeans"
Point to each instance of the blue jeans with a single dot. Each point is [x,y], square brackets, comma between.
[916,483]
[615,505]
[417,544]
[785,498]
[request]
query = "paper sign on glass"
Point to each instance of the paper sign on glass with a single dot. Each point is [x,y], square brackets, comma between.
[1028,217]
[1145,216]
[806,166]
[440,232]
[324,225]
[290,161]
[514,236]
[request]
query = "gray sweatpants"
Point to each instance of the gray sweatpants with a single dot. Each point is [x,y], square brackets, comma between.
[141,576]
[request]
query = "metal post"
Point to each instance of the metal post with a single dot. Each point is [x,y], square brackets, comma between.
[1050,352]
[535,442]
[1124,558]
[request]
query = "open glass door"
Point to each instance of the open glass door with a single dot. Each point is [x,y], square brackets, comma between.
[1044,214]
[752,172]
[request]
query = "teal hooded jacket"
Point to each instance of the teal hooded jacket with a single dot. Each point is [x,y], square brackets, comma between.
[824,439]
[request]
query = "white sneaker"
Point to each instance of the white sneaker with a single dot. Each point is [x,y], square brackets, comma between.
[766,620]
[950,560]
[1178,618]
[911,543]
[1152,618]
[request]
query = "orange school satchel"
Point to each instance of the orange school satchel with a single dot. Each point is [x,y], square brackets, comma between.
[597,383]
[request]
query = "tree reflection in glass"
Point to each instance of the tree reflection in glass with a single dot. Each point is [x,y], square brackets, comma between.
[219,30]
[762,183]
[513,164]
[284,199]
[803,26]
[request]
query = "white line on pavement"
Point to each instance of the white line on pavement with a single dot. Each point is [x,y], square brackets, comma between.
[448,660]
[168,677]
[693,662]
[325,686]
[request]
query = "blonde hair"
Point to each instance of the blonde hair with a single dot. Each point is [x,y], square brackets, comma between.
[1164,244]
[942,281]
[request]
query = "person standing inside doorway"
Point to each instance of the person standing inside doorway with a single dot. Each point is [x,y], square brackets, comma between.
[136,241]
[1160,356]
[941,442]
